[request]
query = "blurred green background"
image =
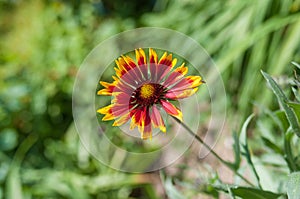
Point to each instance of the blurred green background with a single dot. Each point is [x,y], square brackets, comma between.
[43,43]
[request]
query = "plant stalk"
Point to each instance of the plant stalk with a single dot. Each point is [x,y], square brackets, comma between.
[227,164]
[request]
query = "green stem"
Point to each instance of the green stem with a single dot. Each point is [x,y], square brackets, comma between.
[227,164]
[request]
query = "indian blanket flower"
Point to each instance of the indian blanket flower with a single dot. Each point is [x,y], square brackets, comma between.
[142,87]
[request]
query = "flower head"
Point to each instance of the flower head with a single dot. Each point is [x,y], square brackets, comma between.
[140,88]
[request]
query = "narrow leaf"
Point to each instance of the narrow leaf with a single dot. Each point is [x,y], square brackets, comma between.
[246,151]
[296,93]
[289,158]
[243,133]
[237,151]
[250,193]
[296,108]
[296,64]
[272,145]
[282,99]
[280,114]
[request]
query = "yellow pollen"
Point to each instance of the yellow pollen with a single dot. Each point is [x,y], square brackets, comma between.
[147,91]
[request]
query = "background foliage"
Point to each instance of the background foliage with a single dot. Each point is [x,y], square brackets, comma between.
[44,42]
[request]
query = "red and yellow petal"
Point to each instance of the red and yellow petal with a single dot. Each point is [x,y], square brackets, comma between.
[113,111]
[142,62]
[183,70]
[174,95]
[135,118]
[187,83]
[195,81]
[120,114]
[141,119]
[126,77]
[140,56]
[108,88]
[166,60]
[152,56]
[122,120]
[165,65]
[175,75]
[141,122]
[147,133]
[107,111]
[171,109]
[113,88]
[135,72]
[129,61]
[147,127]
[121,98]
[153,65]
[131,68]
[157,120]
[122,87]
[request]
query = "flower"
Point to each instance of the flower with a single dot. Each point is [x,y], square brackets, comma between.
[140,89]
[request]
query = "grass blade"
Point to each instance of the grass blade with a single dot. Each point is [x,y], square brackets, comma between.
[246,151]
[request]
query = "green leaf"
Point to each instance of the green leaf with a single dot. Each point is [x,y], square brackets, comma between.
[246,151]
[283,120]
[282,99]
[296,64]
[296,93]
[14,184]
[8,139]
[296,108]
[230,193]
[251,193]
[293,188]
[272,145]
[289,158]
[273,116]
[237,151]
[171,190]
[243,133]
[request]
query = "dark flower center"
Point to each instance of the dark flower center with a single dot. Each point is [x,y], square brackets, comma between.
[147,94]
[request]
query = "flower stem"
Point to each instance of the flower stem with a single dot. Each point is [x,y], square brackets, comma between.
[227,164]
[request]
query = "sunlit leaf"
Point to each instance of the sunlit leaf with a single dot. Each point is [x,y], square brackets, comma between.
[296,93]
[293,188]
[14,184]
[243,133]
[8,139]
[296,64]
[171,190]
